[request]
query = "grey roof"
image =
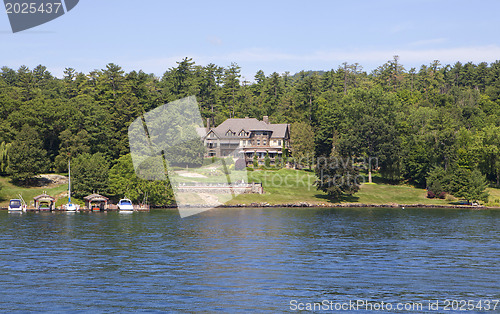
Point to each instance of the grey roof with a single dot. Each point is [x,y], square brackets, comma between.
[279,130]
[95,196]
[249,124]
[43,197]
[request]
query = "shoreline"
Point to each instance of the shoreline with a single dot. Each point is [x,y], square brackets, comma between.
[339,205]
[321,205]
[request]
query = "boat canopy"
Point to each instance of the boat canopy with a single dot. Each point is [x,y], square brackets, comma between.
[15,203]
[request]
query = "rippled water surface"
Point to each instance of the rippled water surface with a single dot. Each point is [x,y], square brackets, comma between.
[245,259]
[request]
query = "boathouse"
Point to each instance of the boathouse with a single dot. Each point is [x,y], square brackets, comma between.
[44,202]
[94,201]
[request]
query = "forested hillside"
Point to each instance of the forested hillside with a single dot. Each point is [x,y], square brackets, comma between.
[415,121]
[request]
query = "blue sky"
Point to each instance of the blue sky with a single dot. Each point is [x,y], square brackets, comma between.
[270,35]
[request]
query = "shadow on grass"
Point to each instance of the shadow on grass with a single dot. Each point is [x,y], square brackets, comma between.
[378,179]
[343,198]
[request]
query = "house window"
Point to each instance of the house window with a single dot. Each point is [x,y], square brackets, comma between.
[242,133]
[279,142]
[258,142]
[264,142]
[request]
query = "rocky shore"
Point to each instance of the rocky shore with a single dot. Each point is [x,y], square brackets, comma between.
[305,204]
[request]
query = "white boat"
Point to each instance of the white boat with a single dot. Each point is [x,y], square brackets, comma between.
[125,205]
[70,207]
[17,205]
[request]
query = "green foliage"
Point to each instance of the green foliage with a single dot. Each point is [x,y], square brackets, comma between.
[438,181]
[411,120]
[462,182]
[336,177]
[469,184]
[89,174]
[123,181]
[71,145]
[26,156]
[278,162]
[255,161]
[284,154]
[4,157]
[370,130]
[267,160]
[302,143]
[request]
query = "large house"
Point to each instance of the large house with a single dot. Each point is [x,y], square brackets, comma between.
[247,136]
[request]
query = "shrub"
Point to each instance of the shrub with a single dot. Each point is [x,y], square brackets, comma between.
[249,169]
[437,180]
[278,162]
[267,160]
[430,194]
[442,195]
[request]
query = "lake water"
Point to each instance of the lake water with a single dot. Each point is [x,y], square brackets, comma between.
[260,260]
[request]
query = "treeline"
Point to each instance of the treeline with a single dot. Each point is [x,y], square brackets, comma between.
[412,120]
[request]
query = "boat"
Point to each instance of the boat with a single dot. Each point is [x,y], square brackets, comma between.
[125,205]
[17,205]
[70,207]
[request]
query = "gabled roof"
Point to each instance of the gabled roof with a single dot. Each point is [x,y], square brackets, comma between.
[279,130]
[238,124]
[249,124]
[212,131]
[92,197]
[43,197]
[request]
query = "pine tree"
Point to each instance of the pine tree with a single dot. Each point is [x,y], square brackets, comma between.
[27,158]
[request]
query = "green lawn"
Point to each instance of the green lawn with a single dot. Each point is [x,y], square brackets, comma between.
[282,186]
[10,190]
[494,199]
[399,194]
[294,186]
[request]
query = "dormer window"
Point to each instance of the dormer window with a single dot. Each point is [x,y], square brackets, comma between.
[242,133]
[230,133]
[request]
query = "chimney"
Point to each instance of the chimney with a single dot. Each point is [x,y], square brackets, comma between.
[208,123]
[266,119]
